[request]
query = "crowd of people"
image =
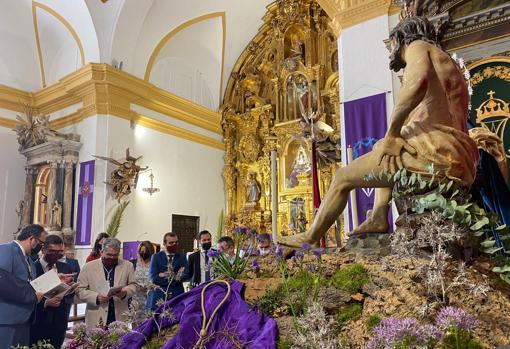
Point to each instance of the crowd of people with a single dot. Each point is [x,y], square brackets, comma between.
[106,283]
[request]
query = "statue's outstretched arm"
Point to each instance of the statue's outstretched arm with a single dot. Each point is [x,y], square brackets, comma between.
[414,87]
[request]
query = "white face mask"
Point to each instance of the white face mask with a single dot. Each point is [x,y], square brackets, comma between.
[264,251]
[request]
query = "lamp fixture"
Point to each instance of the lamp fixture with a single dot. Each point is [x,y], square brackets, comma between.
[151,190]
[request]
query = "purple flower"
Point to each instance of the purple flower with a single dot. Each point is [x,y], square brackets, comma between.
[318,252]
[278,251]
[255,266]
[312,267]
[392,332]
[299,254]
[306,246]
[453,316]
[240,230]
[79,329]
[213,253]
[293,259]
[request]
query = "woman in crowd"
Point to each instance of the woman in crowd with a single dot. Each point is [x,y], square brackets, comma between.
[139,300]
[96,250]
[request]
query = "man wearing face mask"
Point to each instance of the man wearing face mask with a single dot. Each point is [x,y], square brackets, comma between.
[199,267]
[106,284]
[52,314]
[264,241]
[17,297]
[168,269]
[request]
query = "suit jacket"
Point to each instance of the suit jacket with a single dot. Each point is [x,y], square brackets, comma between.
[159,264]
[90,279]
[75,267]
[51,323]
[17,297]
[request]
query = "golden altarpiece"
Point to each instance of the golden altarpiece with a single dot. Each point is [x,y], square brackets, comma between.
[289,70]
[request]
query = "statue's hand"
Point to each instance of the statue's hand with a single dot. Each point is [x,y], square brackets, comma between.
[391,153]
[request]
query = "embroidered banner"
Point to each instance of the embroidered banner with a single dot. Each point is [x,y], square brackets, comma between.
[365,124]
[85,198]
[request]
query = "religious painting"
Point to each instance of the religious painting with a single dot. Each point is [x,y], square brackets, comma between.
[294,43]
[298,167]
[490,80]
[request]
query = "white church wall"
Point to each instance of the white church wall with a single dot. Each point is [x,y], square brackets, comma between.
[188,174]
[364,68]
[12,183]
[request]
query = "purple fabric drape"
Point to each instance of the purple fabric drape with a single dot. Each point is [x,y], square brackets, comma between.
[85,198]
[130,250]
[365,124]
[254,329]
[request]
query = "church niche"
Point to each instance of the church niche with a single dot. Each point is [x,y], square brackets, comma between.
[288,72]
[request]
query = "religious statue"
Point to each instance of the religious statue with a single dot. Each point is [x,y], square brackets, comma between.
[301,222]
[32,129]
[56,215]
[296,47]
[253,189]
[125,176]
[301,163]
[19,212]
[418,135]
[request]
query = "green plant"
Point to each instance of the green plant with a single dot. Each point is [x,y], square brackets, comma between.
[223,265]
[221,224]
[272,300]
[284,343]
[113,227]
[372,321]
[459,338]
[350,279]
[504,272]
[348,313]
[39,345]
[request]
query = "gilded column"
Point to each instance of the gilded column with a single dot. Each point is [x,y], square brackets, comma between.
[68,194]
[52,191]
[28,202]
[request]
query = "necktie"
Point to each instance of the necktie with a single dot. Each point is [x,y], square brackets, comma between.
[207,268]
[29,268]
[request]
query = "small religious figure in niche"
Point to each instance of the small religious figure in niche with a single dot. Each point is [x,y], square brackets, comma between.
[56,215]
[297,47]
[301,162]
[19,212]
[253,189]
[301,222]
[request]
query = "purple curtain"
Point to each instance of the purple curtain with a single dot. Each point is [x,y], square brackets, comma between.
[130,250]
[365,124]
[85,198]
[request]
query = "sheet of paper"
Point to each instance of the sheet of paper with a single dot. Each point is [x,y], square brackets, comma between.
[46,281]
[70,289]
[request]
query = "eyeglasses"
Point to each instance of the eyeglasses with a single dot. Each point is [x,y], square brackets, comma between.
[39,241]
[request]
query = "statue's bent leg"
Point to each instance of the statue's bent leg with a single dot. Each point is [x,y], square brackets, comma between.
[363,172]
[377,218]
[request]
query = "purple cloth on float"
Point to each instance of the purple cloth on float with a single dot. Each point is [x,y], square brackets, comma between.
[254,329]
[365,124]
[85,200]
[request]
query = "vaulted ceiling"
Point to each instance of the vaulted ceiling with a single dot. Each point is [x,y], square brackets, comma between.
[186,47]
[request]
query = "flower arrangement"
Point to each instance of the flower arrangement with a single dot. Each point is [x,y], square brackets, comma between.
[101,337]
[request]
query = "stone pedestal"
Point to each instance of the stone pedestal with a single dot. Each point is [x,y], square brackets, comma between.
[374,244]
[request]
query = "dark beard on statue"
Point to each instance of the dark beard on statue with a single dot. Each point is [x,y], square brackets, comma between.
[396,62]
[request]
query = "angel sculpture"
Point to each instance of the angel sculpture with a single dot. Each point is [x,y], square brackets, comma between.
[125,176]
[32,129]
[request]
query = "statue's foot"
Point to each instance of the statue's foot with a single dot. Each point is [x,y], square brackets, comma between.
[371,225]
[296,240]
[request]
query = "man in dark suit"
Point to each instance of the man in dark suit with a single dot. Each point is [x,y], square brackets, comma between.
[73,263]
[18,298]
[52,314]
[199,267]
[168,269]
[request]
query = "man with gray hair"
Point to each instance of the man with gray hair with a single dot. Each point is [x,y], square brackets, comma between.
[106,284]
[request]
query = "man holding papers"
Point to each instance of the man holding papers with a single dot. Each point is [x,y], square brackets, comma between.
[106,284]
[17,297]
[52,313]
